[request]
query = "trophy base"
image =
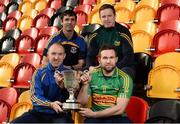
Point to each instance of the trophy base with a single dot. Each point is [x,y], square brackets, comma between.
[75,106]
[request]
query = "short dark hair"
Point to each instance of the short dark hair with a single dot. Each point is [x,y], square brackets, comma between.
[68,12]
[107,6]
[107,47]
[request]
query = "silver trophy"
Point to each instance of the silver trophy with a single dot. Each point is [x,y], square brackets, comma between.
[72,85]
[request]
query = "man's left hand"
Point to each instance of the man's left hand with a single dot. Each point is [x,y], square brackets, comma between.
[86,112]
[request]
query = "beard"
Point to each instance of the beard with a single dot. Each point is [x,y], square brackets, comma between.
[108,69]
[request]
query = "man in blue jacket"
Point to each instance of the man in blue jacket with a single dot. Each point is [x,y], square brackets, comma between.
[47,91]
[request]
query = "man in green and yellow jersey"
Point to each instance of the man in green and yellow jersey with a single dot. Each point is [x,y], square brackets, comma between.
[109,87]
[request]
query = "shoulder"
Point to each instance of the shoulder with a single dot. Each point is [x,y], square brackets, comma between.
[123,75]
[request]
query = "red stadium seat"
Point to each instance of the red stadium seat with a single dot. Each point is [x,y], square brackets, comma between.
[55,4]
[82,12]
[25,44]
[47,11]
[2,7]
[4,111]
[32,58]
[167,39]
[137,110]
[22,75]
[16,14]
[90,2]
[9,23]
[9,95]
[41,43]
[32,32]
[41,21]
[48,30]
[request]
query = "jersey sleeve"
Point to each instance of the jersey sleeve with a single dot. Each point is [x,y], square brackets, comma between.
[126,88]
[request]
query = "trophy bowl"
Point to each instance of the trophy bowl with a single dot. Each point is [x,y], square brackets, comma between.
[72,85]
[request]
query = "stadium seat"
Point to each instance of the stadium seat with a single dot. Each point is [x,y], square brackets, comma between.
[32,58]
[41,43]
[89,2]
[12,6]
[15,14]
[32,32]
[25,44]
[167,39]
[55,21]
[25,6]
[93,18]
[14,33]
[12,58]
[25,22]
[149,27]
[9,23]
[105,1]
[51,30]
[72,3]
[6,73]
[88,30]
[18,109]
[165,111]
[55,4]
[142,42]
[137,110]
[48,11]
[39,5]
[7,45]
[153,3]
[25,97]
[170,58]
[143,65]
[164,82]
[5,2]
[4,111]
[168,7]
[3,16]
[22,75]
[32,13]
[145,11]
[82,12]
[40,21]
[9,95]
[2,7]
[124,11]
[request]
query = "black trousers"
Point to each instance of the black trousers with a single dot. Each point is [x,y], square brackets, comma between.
[36,117]
[112,119]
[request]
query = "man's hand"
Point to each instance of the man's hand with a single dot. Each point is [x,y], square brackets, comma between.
[56,106]
[59,79]
[86,112]
[85,78]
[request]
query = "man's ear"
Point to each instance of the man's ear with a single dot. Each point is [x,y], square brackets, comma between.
[64,55]
[61,20]
[98,58]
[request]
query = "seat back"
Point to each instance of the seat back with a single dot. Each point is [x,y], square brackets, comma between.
[25,22]
[40,5]
[55,4]
[32,58]
[13,59]
[171,58]
[18,109]
[165,108]
[137,110]
[25,6]
[7,45]
[40,21]
[25,97]
[164,82]
[9,95]
[22,75]
[4,111]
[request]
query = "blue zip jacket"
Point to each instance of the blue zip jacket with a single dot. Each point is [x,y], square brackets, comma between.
[45,90]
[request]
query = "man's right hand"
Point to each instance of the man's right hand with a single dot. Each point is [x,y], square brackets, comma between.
[85,78]
[56,106]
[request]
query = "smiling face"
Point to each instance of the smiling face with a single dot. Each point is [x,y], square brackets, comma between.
[68,23]
[107,17]
[56,55]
